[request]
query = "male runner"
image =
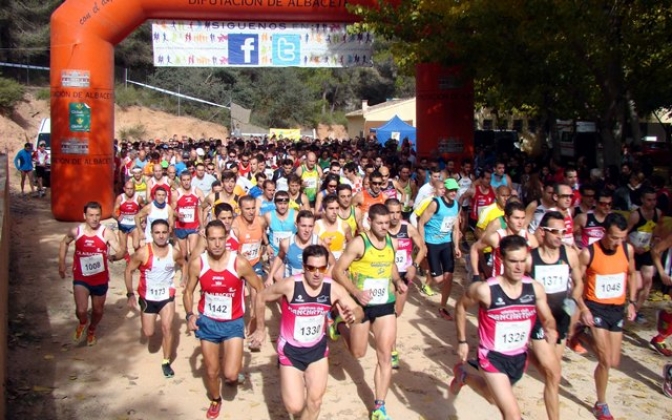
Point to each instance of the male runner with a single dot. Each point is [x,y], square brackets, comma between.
[157,262]
[187,207]
[90,272]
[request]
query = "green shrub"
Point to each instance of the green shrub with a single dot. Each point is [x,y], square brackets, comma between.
[11,93]
[43,94]
[136,132]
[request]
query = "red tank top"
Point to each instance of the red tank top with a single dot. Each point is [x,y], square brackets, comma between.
[222,296]
[156,184]
[481,201]
[187,204]
[90,263]
[497,261]
[128,208]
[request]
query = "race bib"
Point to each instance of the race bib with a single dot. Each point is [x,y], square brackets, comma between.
[379,290]
[308,329]
[127,219]
[400,259]
[640,239]
[250,251]
[310,182]
[555,278]
[157,293]
[92,264]
[447,224]
[609,286]
[279,236]
[188,215]
[217,307]
[512,336]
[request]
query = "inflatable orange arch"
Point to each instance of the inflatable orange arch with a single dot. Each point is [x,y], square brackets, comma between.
[83,36]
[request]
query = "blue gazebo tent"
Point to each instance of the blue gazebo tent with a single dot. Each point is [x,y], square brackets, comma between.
[396,129]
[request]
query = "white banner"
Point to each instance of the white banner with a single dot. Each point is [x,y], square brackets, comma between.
[258,44]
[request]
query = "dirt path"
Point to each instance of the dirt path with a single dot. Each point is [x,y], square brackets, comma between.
[120,378]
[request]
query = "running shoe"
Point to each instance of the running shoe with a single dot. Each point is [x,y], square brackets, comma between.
[395,360]
[443,313]
[460,374]
[426,290]
[601,412]
[380,413]
[333,326]
[91,338]
[575,345]
[213,410]
[168,372]
[661,347]
[79,333]
[640,318]
[667,380]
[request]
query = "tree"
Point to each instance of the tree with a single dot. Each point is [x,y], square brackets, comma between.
[601,60]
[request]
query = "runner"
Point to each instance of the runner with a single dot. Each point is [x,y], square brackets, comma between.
[157,263]
[610,281]
[302,345]
[641,224]
[23,161]
[157,180]
[589,226]
[514,217]
[407,188]
[139,181]
[298,200]
[333,231]
[265,203]
[482,195]
[219,324]
[41,158]
[407,238]
[89,268]
[310,175]
[187,207]
[126,207]
[290,249]
[661,255]
[370,196]
[281,222]
[346,211]
[508,307]
[563,196]
[551,265]
[157,209]
[371,275]
[537,208]
[439,227]
[250,229]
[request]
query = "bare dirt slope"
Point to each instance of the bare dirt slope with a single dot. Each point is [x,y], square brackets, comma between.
[22,125]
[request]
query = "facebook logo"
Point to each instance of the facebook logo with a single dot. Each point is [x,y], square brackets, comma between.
[244,49]
[286,50]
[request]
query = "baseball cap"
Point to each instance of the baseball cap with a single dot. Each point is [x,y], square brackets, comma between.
[451,184]
[200,152]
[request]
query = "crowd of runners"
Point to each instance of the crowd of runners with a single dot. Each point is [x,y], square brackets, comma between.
[340,232]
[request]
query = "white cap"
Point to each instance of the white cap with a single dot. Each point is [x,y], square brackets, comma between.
[200,152]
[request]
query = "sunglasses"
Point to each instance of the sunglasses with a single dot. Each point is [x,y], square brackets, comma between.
[332,186]
[602,203]
[565,195]
[282,200]
[376,183]
[312,268]
[555,231]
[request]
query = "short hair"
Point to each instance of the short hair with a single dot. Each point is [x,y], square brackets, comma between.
[159,222]
[512,206]
[267,183]
[375,174]
[93,205]
[331,198]
[378,210]
[342,187]
[556,187]
[245,198]
[586,187]
[615,219]
[185,173]
[161,188]
[511,243]
[294,179]
[226,175]
[603,194]
[392,202]
[555,215]
[281,194]
[214,224]
[223,207]
[304,214]
[570,169]
[259,176]
[350,167]
[647,190]
[314,251]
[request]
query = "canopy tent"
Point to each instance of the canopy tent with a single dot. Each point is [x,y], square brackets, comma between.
[396,129]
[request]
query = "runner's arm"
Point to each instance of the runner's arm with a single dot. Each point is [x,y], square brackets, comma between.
[529,212]
[353,250]
[476,248]
[117,208]
[656,255]
[474,294]
[188,297]
[136,259]
[350,310]
[426,215]
[113,240]
[63,250]
[632,283]
[284,287]
[577,273]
